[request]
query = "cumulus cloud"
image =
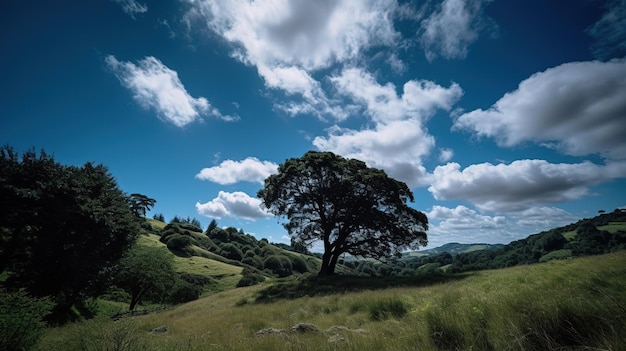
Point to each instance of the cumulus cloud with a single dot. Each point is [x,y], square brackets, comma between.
[155,86]
[398,140]
[521,184]
[288,40]
[396,147]
[445,154]
[610,31]
[449,31]
[301,33]
[419,99]
[236,204]
[543,217]
[465,225]
[249,170]
[578,108]
[132,7]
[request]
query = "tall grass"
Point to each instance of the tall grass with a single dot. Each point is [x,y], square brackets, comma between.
[577,304]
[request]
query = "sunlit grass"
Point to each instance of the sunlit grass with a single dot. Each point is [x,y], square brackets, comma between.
[613,227]
[577,304]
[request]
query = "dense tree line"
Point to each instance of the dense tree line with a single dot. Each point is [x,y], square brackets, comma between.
[581,238]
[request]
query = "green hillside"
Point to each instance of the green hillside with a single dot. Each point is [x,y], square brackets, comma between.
[577,304]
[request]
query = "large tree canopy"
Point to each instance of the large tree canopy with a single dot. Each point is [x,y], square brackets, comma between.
[62,228]
[348,206]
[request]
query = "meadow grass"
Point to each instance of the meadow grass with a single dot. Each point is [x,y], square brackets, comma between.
[613,227]
[576,304]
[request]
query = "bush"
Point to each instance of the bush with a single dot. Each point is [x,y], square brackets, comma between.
[231,251]
[183,292]
[250,278]
[254,261]
[178,242]
[21,320]
[279,265]
[299,265]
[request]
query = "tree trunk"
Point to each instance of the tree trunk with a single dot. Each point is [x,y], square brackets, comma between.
[325,269]
[134,299]
[329,262]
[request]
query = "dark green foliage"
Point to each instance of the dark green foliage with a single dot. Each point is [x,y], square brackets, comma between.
[182,292]
[299,264]
[21,320]
[219,235]
[145,272]
[254,261]
[140,203]
[231,251]
[279,265]
[250,278]
[65,227]
[212,225]
[178,242]
[159,217]
[346,205]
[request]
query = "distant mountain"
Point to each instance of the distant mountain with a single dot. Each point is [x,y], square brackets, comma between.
[453,249]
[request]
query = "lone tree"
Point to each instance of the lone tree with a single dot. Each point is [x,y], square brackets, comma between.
[145,271]
[140,204]
[350,207]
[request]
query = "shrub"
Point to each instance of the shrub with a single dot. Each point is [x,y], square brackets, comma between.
[299,265]
[182,292]
[254,261]
[279,265]
[178,242]
[21,320]
[231,251]
[250,278]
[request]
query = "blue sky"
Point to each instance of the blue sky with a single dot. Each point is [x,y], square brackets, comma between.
[504,117]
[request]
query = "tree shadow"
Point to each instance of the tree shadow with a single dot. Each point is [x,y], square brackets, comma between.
[311,285]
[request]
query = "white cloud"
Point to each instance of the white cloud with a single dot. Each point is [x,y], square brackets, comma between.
[610,31]
[236,204]
[521,184]
[544,217]
[156,86]
[132,7]
[249,170]
[398,140]
[419,99]
[465,225]
[301,33]
[452,29]
[396,147]
[445,154]
[578,108]
[288,40]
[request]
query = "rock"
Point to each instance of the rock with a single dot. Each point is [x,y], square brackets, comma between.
[305,327]
[160,330]
[269,331]
[337,338]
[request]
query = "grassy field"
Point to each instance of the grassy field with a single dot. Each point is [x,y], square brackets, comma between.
[577,304]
